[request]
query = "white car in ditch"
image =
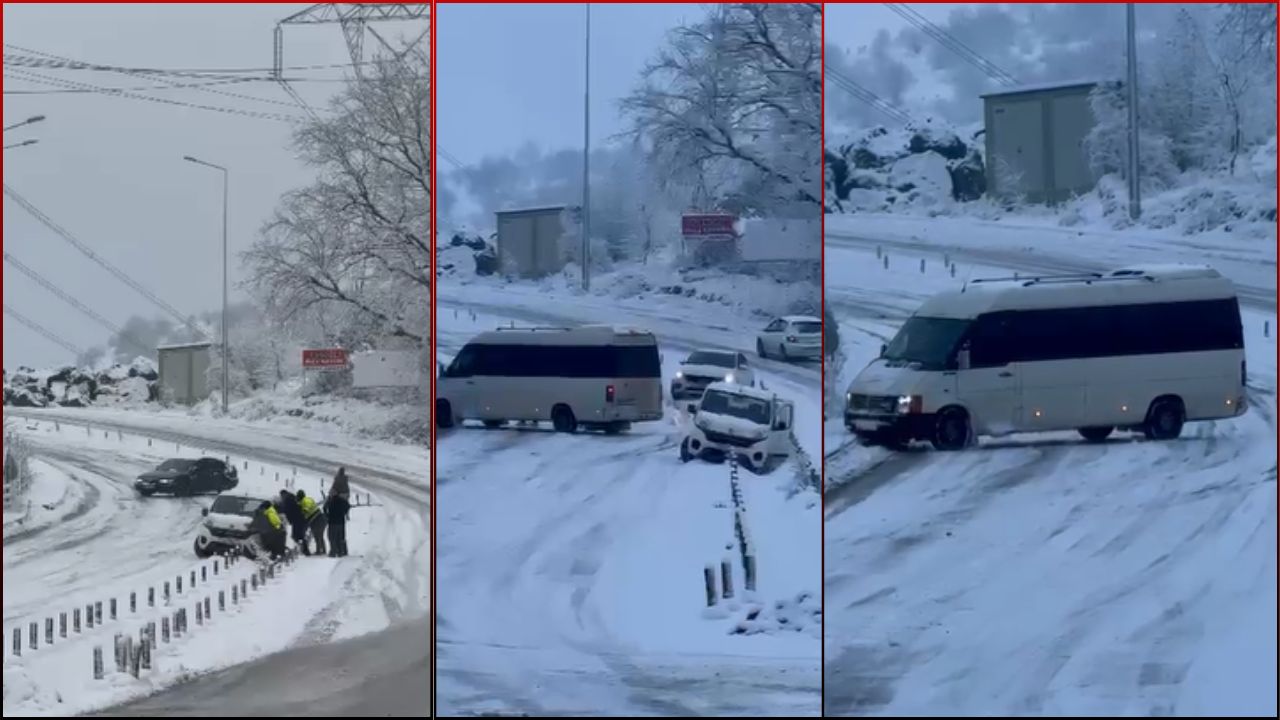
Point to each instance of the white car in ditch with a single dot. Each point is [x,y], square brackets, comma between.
[704,367]
[746,423]
[228,524]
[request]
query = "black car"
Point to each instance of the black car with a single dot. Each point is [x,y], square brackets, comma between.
[188,477]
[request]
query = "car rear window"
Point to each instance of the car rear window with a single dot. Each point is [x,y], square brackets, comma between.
[233,505]
[724,360]
[807,327]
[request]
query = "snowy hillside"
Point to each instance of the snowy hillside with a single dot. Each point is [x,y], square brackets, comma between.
[937,171]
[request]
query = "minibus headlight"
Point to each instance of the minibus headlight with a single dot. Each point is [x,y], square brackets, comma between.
[679,375]
[728,377]
[908,404]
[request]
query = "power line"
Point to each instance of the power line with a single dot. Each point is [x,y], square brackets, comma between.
[952,43]
[230,81]
[861,93]
[44,79]
[39,329]
[89,253]
[67,64]
[448,157]
[73,302]
[136,73]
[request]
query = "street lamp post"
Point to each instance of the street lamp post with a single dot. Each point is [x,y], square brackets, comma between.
[226,349]
[586,163]
[28,121]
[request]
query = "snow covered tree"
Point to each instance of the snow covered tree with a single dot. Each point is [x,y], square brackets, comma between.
[733,107]
[358,238]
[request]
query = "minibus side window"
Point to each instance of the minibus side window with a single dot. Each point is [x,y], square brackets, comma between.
[990,341]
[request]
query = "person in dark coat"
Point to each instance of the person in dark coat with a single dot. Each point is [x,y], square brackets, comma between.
[336,509]
[297,521]
[341,485]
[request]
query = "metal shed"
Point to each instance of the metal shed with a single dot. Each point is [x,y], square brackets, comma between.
[530,240]
[184,372]
[1035,141]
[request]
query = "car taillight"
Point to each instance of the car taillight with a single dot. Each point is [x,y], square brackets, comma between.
[609,393]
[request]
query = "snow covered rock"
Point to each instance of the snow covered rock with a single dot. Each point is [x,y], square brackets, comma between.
[143,367]
[926,165]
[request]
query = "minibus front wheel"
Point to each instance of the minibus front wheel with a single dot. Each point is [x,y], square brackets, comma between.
[444,414]
[951,429]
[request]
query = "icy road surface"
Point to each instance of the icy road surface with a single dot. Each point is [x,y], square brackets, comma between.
[570,567]
[1040,575]
[110,542]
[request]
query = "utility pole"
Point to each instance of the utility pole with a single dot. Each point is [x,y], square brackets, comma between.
[226,348]
[586,164]
[1135,185]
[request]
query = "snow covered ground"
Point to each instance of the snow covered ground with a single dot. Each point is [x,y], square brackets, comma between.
[571,567]
[108,542]
[1037,574]
[1040,244]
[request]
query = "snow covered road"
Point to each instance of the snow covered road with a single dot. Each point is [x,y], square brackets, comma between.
[570,567]
[122,542]
[1040,575]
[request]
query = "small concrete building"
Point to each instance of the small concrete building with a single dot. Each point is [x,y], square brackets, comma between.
[184,372]
[531,241]
[1035,141]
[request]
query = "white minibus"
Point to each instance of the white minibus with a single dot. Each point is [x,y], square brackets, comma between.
[596,377]
[1142,348]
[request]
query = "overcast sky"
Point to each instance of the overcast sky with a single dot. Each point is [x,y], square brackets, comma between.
[110,169]
[509,74]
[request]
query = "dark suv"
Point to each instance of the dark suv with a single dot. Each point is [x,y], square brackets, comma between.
[188,477]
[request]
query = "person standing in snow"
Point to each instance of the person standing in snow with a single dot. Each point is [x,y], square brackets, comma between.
[297,522]
[336,509]
[315,519]
[341,485]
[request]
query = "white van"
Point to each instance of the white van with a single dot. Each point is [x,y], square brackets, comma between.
[1143,348]
[597,377]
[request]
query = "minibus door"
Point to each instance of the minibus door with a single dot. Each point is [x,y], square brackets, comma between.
[987,384]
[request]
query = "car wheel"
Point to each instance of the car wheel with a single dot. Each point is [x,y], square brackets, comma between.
[181,487]
[685,455]
[1095,434]
[760,348]
[202,552]
[444,414]
[1165,419]
[563,420]
[951,429]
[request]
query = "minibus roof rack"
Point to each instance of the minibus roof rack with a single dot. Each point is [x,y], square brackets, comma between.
[1020,278]
[1025,279]
[1088,281]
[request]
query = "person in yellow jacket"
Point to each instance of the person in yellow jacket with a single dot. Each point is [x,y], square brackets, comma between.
[315,519]
[270,528]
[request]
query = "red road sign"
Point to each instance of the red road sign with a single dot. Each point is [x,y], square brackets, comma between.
[327,358]
[707,224]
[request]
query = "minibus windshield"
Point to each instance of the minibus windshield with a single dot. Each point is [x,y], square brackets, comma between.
[926,341]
